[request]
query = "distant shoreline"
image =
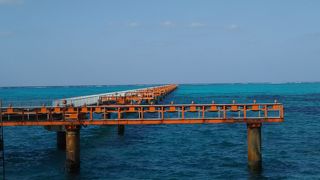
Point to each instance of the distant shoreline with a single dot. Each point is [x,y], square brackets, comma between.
[114,85]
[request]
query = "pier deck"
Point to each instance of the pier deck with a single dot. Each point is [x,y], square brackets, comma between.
[119,97]
[142,114]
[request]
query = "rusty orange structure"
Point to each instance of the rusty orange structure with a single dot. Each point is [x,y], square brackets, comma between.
[125,112]
[147,95]
[142,114]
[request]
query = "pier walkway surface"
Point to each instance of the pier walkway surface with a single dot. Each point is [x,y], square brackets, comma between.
[138,107]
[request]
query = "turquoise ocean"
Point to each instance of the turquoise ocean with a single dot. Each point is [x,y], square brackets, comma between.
[290,150]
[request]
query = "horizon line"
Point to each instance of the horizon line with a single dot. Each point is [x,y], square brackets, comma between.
[145,84]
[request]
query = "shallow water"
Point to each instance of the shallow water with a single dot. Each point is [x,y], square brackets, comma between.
[291,150]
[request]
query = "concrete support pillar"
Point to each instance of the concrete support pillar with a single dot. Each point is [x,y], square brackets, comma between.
[73,149]
[120,129]
[61,140]
[254,146]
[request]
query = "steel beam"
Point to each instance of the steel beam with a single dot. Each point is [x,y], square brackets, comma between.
[139,122]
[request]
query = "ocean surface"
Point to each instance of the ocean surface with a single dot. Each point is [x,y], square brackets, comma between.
[290,150]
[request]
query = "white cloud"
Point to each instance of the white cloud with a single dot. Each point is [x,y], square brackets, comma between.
[133,24]
[233,27]
[11,2]
[197,24]
[6,34]
[168,24]
[313,34]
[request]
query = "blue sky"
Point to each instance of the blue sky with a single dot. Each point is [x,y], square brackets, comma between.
[101,42]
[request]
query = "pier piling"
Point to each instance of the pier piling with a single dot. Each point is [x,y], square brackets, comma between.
[61,140]
[254,147]
[121,130]
[73,149]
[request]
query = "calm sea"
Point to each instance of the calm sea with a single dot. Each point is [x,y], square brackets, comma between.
[291,150]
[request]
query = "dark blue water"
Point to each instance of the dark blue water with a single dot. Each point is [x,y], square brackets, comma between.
[291,150]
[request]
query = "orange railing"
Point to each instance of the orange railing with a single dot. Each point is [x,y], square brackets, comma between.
[143,114]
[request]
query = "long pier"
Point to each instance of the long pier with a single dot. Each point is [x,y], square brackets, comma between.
[138,107]
[120,97]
